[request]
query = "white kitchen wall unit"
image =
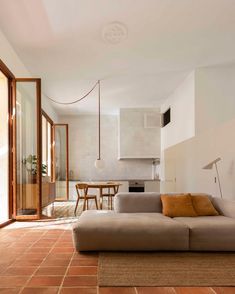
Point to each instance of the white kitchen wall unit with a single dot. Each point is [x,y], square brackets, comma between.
[139,133]
[152,186]
[124,186]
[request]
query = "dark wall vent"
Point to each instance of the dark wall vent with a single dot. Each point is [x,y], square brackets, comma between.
[166,117]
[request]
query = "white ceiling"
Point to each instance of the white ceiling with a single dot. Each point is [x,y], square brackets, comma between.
[61,42]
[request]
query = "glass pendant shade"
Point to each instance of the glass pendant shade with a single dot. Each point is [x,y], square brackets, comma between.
[99,163]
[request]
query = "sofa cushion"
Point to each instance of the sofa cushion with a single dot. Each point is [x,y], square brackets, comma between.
[177,205]
[203,205]
[106,230]
[137,202]
[225,207]
[214,233]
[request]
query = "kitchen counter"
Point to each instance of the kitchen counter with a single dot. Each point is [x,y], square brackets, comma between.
[150,185]
[116,180]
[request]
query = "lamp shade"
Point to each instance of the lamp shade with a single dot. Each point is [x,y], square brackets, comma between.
[99,164]
[210,165]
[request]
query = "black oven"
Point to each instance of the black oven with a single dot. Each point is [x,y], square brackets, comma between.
[136,186]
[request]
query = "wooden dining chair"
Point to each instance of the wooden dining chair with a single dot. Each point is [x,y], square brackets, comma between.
[111,192]
[82,190]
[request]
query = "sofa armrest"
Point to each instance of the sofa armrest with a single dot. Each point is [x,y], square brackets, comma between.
[137,202]
[224,206]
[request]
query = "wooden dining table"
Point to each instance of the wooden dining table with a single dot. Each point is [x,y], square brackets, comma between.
[103,185]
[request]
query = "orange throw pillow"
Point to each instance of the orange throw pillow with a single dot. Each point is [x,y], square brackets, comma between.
[203,206]
[177,205]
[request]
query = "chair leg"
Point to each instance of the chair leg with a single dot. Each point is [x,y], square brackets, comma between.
[76,206]
[84,205]
[101,203]
[96,203]
[108,198]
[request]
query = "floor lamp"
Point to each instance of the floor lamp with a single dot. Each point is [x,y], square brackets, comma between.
[210,166]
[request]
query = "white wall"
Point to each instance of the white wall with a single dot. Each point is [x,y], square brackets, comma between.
[10,58]
[139,133]
[48,108]
[13,62]
[182,104]
[83,150]
[188,158]
[181,127]
[214,137]
[215,96]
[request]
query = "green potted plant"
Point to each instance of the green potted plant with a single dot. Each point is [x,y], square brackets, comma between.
[30,163]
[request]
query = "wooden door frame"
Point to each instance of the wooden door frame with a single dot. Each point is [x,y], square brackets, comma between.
[67,159]
[52,148]
[9,75]
[39,150]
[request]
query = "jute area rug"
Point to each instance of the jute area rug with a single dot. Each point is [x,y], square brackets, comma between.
[166,269]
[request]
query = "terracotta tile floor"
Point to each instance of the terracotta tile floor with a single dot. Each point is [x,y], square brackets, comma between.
[38,257]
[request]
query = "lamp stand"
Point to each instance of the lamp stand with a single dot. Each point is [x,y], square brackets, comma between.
[218,180]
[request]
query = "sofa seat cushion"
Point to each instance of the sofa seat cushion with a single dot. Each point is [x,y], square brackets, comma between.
[105,230]
[214,233]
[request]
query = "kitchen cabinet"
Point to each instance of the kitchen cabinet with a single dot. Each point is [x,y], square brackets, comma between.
[139,134]
[48,193]
[72,190]
[152,186]
[29,201]
[124,186]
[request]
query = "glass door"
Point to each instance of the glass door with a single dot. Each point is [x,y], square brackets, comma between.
[48,184]
[28,169]
[47,143]
[61,168]
[6,145]
[4,148]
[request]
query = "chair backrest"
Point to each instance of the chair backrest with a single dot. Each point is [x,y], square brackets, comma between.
[115,187]
[81,189]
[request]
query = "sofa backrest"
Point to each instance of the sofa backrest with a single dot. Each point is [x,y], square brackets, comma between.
[137,202]
[141,202]
[225,207]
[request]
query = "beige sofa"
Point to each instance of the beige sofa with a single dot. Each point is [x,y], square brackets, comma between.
[138,224]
